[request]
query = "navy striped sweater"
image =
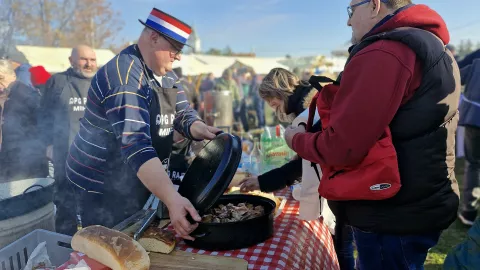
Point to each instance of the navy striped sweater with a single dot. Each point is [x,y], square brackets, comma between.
[115,129]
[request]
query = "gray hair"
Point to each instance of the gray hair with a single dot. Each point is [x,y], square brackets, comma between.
[6,68]
[396,4]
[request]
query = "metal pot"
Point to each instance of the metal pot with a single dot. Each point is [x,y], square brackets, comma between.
[236,235]
[24,196]
[218,108]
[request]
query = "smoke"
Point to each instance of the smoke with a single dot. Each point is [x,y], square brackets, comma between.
[23,154]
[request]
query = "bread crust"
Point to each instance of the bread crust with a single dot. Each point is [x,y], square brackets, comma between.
[111,248]
[157,240]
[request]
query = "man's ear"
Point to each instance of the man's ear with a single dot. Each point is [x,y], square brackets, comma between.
[375,8]
[71,61]
[154,38]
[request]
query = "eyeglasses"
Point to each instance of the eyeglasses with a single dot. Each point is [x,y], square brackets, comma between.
[350,9]
[177,50]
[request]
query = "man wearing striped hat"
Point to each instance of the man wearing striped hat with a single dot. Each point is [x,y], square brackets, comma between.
[115,161]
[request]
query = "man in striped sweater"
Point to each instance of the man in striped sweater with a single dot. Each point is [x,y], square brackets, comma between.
[115,161]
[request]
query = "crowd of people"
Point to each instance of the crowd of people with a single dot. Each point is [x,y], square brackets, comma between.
[243,84]
[376,144]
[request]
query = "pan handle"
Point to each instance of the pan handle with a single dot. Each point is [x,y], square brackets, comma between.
[197,234]
[32,186]
[200,235]
[190,219]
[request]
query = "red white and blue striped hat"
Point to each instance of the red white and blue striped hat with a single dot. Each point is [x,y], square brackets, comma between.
[168,25]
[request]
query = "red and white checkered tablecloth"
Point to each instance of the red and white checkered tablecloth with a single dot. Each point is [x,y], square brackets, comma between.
[296,244]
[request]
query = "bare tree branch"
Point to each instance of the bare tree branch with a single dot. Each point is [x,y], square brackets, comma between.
[67,23]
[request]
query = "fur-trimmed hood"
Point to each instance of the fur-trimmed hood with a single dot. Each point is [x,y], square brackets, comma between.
[300,99]
[308,98]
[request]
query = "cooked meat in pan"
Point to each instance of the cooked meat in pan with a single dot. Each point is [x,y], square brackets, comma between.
[232,213]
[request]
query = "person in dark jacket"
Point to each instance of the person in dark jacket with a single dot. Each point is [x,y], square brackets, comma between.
[207,84]
[466,255]
[468,59]
[290,97]
[258,102]
[63,104]
[470,119]
[20,157]
[399,82]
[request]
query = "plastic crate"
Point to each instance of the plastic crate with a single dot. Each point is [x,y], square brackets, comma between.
[15,255]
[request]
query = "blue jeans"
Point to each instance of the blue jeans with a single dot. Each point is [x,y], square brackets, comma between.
[343,241]
[389,251]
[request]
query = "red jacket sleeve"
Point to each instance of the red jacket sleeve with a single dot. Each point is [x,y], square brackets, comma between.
[371,91]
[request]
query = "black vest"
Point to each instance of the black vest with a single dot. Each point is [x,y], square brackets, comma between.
[423,132]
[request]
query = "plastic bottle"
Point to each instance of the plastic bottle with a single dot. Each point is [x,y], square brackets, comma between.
[255,167]
[266,139]
[244,164]
[266,145]
[279,153]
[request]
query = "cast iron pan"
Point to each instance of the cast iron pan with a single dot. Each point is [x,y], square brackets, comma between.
[211,172]
[20,197]
[236,235]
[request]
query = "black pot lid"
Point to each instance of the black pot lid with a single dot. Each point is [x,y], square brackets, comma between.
[211,171]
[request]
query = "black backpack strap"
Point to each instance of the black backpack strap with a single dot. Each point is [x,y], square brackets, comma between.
[314,165]
[316,80]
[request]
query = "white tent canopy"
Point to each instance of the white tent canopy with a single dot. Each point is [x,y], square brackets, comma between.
[194,64]
[261,65]
[190,65]
[55,60]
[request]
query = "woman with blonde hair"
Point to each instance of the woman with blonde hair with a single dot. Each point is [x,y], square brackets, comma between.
[290,97]
[287,94]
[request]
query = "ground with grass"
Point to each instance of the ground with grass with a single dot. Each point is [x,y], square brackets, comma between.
[451,237]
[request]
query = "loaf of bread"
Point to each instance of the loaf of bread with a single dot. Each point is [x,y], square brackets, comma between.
[111,248]
[155,239]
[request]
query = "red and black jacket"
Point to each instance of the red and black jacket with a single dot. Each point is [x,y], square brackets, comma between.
[422,133]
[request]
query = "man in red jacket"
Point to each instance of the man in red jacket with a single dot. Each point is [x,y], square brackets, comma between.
[399,76]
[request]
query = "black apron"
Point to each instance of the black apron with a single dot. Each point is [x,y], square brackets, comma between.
[176,169]
[73,99]
[178,163]
[124,193]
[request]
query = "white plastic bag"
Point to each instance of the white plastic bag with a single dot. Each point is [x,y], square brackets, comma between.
[309,202]
[39,259]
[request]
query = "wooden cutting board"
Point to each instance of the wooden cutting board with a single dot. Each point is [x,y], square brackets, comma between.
[186,260]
